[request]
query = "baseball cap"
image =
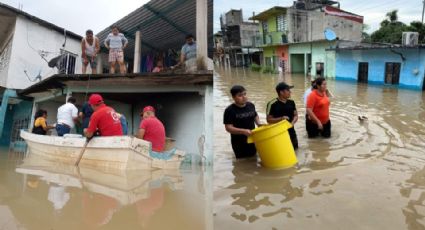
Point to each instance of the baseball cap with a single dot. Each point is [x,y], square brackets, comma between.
[148,108]
[95,99]
[283,86]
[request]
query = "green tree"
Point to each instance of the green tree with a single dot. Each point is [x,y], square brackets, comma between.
[391,29]
[365,35]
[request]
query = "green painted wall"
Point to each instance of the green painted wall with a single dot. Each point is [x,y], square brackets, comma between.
[268,51]
[297,63]
[318,54]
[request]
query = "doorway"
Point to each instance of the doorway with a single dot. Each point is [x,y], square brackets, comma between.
[392,73]
[319,69]
[363,72]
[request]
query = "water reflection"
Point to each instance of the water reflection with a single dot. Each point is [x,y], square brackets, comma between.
[258,188]
[67,197]
[367,171]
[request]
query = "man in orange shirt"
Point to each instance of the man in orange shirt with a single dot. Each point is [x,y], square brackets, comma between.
[317,119]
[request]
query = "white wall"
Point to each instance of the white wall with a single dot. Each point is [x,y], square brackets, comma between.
[31,38]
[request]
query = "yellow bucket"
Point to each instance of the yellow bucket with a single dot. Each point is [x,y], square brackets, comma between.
[274,145]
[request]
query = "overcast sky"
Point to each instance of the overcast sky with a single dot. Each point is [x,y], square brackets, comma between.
[78,15]
[373,10]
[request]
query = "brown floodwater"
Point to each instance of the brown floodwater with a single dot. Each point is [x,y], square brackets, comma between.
[37,194]
[369,175]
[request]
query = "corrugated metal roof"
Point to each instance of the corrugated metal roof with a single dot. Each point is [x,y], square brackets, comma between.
[163,25]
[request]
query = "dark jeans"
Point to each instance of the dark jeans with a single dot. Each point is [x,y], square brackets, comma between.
[241,148]
[293,136]
[62,129]
[313,130]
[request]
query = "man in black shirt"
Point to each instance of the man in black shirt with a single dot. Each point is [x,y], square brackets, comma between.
[239,119]
[283,108]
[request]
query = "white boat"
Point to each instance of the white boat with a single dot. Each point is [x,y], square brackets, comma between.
[121,152]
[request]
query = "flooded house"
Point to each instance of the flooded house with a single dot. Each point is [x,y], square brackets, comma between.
[27,46]
[238,35]
[183,101]
[383,64]
[293,40]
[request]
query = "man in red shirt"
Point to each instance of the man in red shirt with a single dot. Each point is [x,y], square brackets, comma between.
[151,129]
[104,119]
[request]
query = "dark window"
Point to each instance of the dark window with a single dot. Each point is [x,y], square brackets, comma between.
[281,23]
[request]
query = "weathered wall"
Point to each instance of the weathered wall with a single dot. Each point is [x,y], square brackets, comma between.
[247,33]
[29,41]
[310,26]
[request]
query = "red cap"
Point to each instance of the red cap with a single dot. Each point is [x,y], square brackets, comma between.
[148,108]
[95,99]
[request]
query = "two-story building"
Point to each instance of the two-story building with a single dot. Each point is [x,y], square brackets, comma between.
[293,40]
[238,40]
[28,45]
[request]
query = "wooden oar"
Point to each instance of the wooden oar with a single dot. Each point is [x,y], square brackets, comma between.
[82,151]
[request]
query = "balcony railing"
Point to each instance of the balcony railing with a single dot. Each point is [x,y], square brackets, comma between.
[271,38]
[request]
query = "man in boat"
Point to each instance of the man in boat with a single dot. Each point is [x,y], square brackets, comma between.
[89,49]
[283,108]
[188,54]
[104,119]
[67,117]
[239,119]
[151,129]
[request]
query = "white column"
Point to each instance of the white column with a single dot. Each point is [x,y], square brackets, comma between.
[137,52]
[202,30]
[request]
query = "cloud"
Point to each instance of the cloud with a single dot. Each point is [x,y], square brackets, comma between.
[373,11]
[79,15]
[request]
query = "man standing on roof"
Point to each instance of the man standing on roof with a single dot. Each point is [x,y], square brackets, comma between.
[188,54]
[283,108]
[67,117]
[151,129]
[104,119]
[89,50]
[116,43]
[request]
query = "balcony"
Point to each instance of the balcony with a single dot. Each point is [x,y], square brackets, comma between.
[271,39]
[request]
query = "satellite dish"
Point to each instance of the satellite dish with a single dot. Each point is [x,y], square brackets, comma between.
[330,34]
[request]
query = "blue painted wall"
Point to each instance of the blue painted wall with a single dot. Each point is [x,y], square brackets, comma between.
[18,111]
[347,62]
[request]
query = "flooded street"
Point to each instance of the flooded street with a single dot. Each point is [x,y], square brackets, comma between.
[369,175]
[38,194]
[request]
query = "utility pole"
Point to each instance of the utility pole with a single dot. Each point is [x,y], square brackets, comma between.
[423,9]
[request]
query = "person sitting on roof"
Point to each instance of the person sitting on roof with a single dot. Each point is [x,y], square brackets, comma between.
[116,42]
[104,119]
[188,54]
[40,126]
[151,129]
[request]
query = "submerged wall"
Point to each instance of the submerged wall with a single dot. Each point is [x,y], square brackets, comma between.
[411,70]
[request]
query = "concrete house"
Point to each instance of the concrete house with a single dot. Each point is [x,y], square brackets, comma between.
[27,46]
[401,66]
[303,25]
[238,38]
[183,101]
